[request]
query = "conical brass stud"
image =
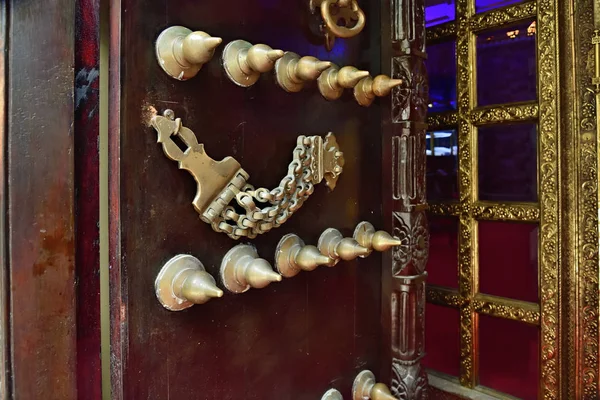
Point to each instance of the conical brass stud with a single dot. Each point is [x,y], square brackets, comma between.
[242,269]
[334,80]
[366,235]
[292,71]
[335,246]
[293,256]
[332,394]
[244,62]
[365,387]
[183,282]
[368,88]
[181,53]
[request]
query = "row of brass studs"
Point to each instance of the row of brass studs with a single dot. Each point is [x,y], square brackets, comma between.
[183,280]
[182,53]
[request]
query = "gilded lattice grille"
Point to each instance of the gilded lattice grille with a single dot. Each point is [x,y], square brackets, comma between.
[470,210]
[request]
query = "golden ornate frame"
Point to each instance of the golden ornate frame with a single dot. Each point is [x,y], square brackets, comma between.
[567,213]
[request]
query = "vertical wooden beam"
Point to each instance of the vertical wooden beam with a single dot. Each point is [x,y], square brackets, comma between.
[404,128]
[87,73]
[40,199]
[5,392]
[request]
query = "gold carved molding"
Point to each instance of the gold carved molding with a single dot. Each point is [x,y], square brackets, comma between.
[509,113]
[443,296]
[482,21]
[569,359]
[502,16]
[519,212]
[505,113]
[508,309]
[442,31]
[442,120]
[586,131]
[548,73]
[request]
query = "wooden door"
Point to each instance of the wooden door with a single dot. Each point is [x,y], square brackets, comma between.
[293,339]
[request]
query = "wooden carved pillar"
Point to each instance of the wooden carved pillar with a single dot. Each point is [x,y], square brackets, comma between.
[404,150]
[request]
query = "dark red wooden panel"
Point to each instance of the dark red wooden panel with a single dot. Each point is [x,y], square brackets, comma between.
[291,340]
[41,199]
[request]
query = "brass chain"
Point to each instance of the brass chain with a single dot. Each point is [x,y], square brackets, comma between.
[282,201]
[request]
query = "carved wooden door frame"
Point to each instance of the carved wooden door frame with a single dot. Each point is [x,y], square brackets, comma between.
[403,197]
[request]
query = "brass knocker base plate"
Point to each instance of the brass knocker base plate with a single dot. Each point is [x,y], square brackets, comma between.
[362,384]
[231,61]
[284,254]
[281,73]
[163,285]
[228,270]
[165,53]
[361,231]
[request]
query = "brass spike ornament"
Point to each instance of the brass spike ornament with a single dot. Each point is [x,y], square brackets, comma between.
[332,394]
[221,182]
[366,235]
[365,387]
[242,269]
[293,71]
[244,62]
[335,246]
[183,282]
[334,80]
[368,88]
[293,256]
[181,53]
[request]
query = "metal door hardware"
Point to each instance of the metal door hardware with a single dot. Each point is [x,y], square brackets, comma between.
[242,269]
[368,88]
[366,235]
[341,19]
[181,53]
[220,182]
[332,394]
[365,387]
[244,62]
[183,282]
[335,246]
[293,71]
[334,80]
[293,256]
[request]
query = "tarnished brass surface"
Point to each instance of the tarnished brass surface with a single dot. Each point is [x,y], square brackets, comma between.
[220,182]
[334,12]
[244,62]
[366,235]
[365,387]
[332,394]
[293,256]
[334,80]
[183,282]
[293,71]
[242,269]
[335,246]
[181,53]
[368,88]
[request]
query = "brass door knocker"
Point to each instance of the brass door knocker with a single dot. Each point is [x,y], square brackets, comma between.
[341,18]
[219,182]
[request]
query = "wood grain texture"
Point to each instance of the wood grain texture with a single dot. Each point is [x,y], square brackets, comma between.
[292,340]
[40,220]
